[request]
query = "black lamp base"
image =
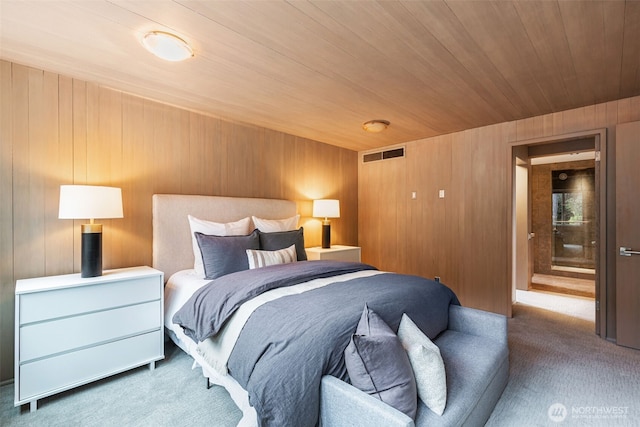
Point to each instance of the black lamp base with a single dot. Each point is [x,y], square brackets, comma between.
[326,235]
[91,263]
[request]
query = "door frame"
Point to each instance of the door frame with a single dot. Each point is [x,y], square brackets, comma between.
[515,149]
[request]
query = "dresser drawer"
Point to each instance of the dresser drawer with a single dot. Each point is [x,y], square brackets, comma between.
[39,306]
[62,335]
[47,376]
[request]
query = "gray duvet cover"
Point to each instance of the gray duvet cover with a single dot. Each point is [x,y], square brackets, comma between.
[287,345]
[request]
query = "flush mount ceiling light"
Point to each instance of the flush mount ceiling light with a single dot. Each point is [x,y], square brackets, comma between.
[167,46]
[375,126]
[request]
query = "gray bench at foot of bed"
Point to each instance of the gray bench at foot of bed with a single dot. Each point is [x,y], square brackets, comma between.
[476,358]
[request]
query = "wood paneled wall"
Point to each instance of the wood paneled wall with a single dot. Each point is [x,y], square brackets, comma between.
[463,238]
[56,130]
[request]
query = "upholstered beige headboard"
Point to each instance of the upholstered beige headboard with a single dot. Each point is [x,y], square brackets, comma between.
[172,249]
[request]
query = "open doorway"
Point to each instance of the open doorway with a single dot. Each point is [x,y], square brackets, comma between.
[563,220]
[558,233]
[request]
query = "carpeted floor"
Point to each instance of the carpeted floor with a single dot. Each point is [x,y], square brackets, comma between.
[561,374]
[171,395]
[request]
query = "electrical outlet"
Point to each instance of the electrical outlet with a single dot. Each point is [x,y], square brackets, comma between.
[441,194]
[414,195]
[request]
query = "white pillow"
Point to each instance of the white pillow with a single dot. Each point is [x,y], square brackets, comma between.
[427,364]
[237,228]
[275,225]
[259,259]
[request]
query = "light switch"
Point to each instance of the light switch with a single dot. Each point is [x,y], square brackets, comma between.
[441,194]
[414,195]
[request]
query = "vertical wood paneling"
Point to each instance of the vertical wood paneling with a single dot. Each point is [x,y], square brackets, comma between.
[196,177]
[6,220]
[629,110]
[79,160]
[162,154]
[20,139]
[534,127]
[430,170]
[480,191]
[274,160]
[222,152]
[64,243]
[133,174]
[55,168]
[368,205]
[35,239]
[214,169]
[382,206]
[97,159]
[393,198]
[106,167]
[56,130]
[456,211]
[149,182]
[349,193]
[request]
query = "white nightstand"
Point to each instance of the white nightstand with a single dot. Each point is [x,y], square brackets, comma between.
[71,330]
[335,252]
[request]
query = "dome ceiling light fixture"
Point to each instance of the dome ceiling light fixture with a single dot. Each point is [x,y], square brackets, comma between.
[375,126]
[167,46]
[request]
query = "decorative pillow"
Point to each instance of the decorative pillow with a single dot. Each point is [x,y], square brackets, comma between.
[284,239]
[237,228]
[427,364]
[274,225]
[225,254]
[378,365]
[259,259]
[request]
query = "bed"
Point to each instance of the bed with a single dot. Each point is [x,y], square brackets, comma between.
[271,344]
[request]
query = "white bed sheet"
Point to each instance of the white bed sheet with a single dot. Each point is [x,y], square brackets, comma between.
[178,290]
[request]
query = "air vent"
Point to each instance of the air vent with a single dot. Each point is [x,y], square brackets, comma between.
[383,155]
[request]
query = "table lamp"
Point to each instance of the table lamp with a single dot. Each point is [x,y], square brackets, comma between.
[90,202]
[326,208]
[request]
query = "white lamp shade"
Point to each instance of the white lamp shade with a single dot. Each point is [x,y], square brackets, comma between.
[89,202]
[326,208]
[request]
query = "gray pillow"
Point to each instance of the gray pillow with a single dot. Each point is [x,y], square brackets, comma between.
[225,254]
[283,239]
[378,364]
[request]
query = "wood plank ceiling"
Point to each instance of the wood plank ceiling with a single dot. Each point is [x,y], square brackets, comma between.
[319,69]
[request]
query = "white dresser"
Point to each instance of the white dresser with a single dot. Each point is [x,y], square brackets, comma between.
[335,252]
[71,330]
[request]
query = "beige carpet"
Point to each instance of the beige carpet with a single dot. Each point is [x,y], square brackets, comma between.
[562,374]
[173,395]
